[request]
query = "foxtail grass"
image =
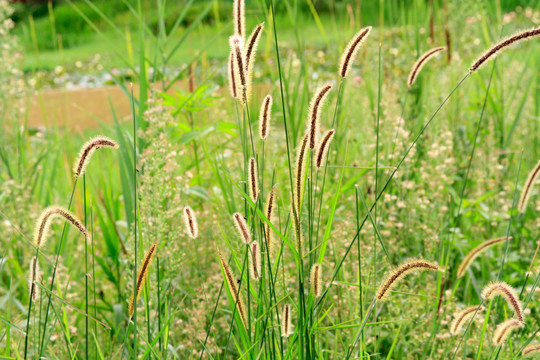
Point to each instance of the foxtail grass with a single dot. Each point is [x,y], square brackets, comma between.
[234,290]
[300,172]
[250,52]
[504,329]
[419,64]
[242,228]
[264,117]
[286,322]
[323,147]
[461,317]
[88,150]
[237,46]
[34,276]
[239,18]
[474,253]
[530,349]
[349,55]
[316,280]
[190,220]
[253,180]
[527,187]
[508,293]
[255,260]
[269,210]
[314,113]
[44,221]
[233,87]
[141,277]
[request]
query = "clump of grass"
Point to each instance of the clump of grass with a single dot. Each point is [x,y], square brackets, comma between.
[399,273]
[253,180]
[88,150]
[314,117]
[141,277]
[322,149]
[264,117]
[233,288]
[419,64]
[503,289]
[504,329]
[286,322]
[474,253]
[530,349]
[526,192]
[493,51]
[190,220]
[460,318]
[44,221]
[316,280]
[351,51]
[242,228]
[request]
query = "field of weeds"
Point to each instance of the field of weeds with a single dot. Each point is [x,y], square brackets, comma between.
[292,180]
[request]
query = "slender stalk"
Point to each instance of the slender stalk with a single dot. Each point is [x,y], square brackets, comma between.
[135,333]
[85,271]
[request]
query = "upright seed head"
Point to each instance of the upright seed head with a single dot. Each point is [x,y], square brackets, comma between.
[239,70]
[461,317]
[286,322]
[315,110]
[524,35]
[88,150]
[351,50]
[503,330]
[269,212]
[419,64]
[397,275]
[249,56]
[530,349]
[264,117]
[255,260]
[233,288]
[297,225]
[233,85]
[192,228]
[503,289]
[527,187]
[141,277]
[323,147]
[474,253]
[300,171]
[253,180]
[242,228]
[316,280]
[35,275]
[44,222]
[239,18]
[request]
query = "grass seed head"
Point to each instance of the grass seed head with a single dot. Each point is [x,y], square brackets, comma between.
[253,180]
[316,280]
[504,329]
[264,117]
[255,260]
[249,56]
[233,85]
[419,64]
[233,288]
[461,318]
[315,110]
[323,147]
[351,50]
[531,349]
[141,277]
[239,71]
[192,227]
[239,18]
[242,228]
[527,187]
[35,275]
[270,202]
[300,171]
[44,222]
[88,150]
[286,322]
[474,253]
[503,289]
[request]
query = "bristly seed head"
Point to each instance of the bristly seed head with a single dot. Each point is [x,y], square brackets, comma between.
[269,213]
[242,228]
[255,260]
[527,187]
[249,56]
[397,275]
[44,221]
[88,150]
[503,330]
[503,289]
[351,50]
[323,147]
[286,322]
[474,253]
[35,275]
[264,117]
[253,180]
[315,110]
[239,18]
[300,170]
[419,64]
[233,86]
[141,277]
[316,280]
[460,318]
[239,70]
[524,35]
[192,227]
[234,289]
[530,349]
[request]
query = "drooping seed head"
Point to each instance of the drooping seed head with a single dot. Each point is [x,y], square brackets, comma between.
[242,228]
[316,280]
[286,322]
[419,64]
[527,188]
[314,114]
[492,52]
[462,317]
[351,50]
[531,349]
[323,147]
[249,56]
[88,150]
[35,275]
[239,69]
[234,289]
[233,83]
[44,222]
[503,289]
[192,228]
[397,275]
[474,253]
[255,260]
[253,180]
[264,117]
[239,18]
[269,215]
[504,329]
[141,277]
[300,171]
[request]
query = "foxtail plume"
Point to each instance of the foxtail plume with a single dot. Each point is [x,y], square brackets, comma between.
[316,280]
[190,220]
[503,330]
[88,150]
[255,260]
[233,288]
[242,228]
[141,277]
[249,56]
[286,322]
[323,147]
[239,18]
[264,117]
[233,86]
[474,253]
[315,109]
[253,180]
[300,171]
[351,50]
[460,318]
[269,212]
[239,70]
[44,222]
[419,64]
[503,289]
[34,276]
[526,192]
[530,349]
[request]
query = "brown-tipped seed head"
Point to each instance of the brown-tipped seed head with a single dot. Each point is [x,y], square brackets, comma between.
[527,187]
[269,215]
[351,50]
[461,318]
[314,114]
[242,228]
[316,280]
[253,180]
[524,35]
[264,117]
[503,289]
[474,253]
[88,150]
[286,322]
[255,260]
[44,222]
[239,70]
[531,349]
[192,227]
[233,288]
[397,275]
[300,171]
[141,277]
[503,330]
[249,56]
[35,275]
[323,147]
[233,83]
[419,64]
[239,18]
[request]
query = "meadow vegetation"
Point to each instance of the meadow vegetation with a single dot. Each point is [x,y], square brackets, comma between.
[334,180]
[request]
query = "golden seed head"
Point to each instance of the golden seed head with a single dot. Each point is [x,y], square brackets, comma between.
[253,180]
[504,329]
[190,220]
[314,114]
[239,71]
[242,228]
[503,289]
[527,188]
[474,253]
[88,150]
[35,275]
[351,50]
[44,221]
[233,288]
[249,56]
[269,215]
[264,117]
[286,322]
[141,277]
[531,349]
[239,18]
[233,82]
[462,317]
[316,280]
[255,260]
[419,64]
[322,148]
[300,171]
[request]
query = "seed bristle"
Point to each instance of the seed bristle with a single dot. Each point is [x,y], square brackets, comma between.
[141,277]
[44,221]
[351,50]
[460,318]
[242,228]
[419,64]
[474,253]
[503,289]
[503,330]
[88,150]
